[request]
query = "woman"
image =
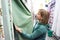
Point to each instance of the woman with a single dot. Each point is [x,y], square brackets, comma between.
[40,28]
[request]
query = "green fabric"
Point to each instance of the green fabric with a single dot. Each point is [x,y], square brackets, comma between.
[21,16]
[39,32]
[50,33]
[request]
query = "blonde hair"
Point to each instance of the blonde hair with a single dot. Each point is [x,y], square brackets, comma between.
[45,16]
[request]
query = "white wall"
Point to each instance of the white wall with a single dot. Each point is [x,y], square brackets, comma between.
[58,18]
[38,4]
[56,24]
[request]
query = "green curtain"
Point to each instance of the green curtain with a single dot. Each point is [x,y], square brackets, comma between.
[22,17]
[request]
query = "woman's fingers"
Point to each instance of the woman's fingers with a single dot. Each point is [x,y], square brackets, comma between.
[18,29]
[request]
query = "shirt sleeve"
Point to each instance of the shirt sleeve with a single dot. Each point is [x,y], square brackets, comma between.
[35,34]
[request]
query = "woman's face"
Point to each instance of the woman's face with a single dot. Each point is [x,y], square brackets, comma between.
[38,16]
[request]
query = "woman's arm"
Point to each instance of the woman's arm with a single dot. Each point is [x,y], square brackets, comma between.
[35,34]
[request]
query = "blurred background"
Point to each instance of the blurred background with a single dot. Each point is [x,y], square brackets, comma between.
[22,13]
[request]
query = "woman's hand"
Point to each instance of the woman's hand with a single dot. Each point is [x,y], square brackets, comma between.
[18,29]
